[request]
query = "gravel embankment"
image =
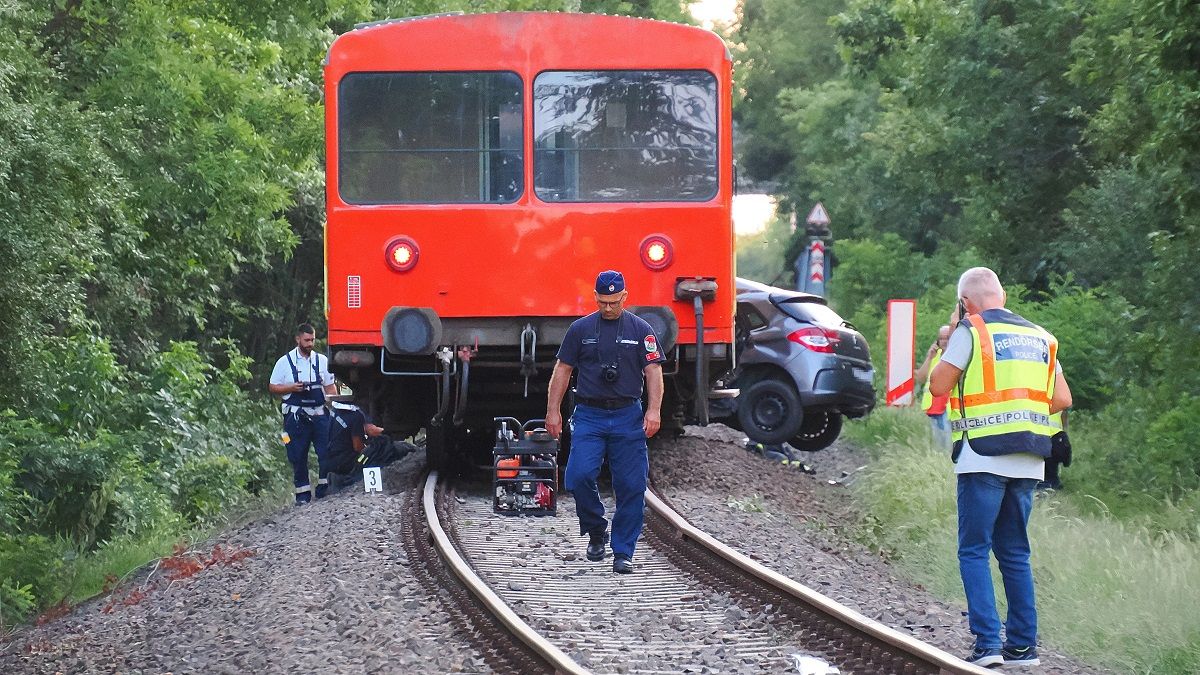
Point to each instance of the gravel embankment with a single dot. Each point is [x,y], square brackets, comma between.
[799,525]
[322,588]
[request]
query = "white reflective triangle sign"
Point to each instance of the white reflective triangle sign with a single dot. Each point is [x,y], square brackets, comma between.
[818,216]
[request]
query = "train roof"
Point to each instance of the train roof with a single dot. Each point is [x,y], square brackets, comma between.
[527,28]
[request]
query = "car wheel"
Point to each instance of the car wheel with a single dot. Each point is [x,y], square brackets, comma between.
[769,411]
[818,431]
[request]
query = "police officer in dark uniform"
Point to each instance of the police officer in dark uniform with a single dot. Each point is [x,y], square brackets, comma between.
[303,379]
[354,443]
[613,351]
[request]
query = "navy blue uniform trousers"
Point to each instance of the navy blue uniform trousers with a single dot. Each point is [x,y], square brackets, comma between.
[302,431]
[617,435]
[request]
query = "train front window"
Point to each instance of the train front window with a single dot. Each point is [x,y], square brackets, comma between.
[430,138]
[625,135]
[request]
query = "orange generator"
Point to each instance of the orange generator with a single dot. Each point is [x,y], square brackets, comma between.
[481,170]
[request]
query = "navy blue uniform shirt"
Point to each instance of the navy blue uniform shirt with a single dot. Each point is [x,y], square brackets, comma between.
[627,342]
[348,421]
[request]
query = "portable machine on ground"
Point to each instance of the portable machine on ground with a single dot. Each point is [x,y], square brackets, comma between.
[524,469]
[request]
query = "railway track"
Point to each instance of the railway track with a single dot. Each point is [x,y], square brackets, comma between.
[531,602]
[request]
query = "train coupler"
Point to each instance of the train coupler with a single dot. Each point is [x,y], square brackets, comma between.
[524,469]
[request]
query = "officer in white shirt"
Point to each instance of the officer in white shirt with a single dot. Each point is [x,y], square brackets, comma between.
[302,379]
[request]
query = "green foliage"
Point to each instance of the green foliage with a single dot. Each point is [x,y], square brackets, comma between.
[161,216]
[785,44]
[139,454]
[1055,142]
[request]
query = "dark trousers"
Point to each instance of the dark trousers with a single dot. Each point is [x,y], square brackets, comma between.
[597,434]
[378,451]
[303,431]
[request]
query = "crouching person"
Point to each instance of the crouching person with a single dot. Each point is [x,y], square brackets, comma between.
[354,443]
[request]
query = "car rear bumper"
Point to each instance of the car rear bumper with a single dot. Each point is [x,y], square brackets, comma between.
[843,387]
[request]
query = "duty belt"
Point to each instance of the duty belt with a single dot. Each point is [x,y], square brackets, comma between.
[605,403]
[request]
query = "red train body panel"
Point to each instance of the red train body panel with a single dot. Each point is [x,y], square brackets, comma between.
[526,256]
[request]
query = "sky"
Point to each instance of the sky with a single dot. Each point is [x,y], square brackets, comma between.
[711,12]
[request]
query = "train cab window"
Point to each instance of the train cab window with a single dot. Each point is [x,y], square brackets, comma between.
[430,138]
[625,135]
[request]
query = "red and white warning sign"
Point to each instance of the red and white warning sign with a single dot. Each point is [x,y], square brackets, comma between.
[901,346]
[816,261]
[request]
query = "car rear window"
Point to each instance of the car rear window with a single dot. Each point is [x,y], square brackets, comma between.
[808,311]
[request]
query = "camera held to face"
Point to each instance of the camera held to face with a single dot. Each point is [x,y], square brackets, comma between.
[609,372]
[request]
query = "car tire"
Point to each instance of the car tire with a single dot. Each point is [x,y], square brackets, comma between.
[769,411]
[818,431]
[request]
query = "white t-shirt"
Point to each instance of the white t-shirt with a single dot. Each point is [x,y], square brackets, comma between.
[958,353]
[282,374]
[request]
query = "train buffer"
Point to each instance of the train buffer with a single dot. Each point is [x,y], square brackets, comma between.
[524,469]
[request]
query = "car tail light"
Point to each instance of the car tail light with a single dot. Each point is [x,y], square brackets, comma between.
[816,339]
[657,252]
[401,254]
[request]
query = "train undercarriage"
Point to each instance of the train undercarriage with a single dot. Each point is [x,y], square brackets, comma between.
[500,368]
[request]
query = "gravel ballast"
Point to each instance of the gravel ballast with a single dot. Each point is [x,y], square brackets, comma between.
[322,588]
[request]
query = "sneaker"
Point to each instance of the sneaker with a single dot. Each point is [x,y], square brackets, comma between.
[597,543]
[623,565]
[1020,656]
[982,656]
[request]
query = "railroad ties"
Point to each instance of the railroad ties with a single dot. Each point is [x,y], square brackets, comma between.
[690,606]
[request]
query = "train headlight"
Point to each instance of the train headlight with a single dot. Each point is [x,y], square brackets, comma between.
[411,330]
[401,253]
[662,321]
[657,252]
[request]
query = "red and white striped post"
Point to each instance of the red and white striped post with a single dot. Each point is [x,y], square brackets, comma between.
[901,347]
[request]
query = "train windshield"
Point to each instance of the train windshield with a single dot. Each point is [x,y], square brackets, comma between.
[625,135]
[429,138]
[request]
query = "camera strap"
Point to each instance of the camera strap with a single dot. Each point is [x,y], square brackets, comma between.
[606,349]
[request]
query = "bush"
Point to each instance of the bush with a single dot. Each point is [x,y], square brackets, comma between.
[144,454]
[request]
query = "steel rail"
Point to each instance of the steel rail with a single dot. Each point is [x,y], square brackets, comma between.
[461,569]
[945,662]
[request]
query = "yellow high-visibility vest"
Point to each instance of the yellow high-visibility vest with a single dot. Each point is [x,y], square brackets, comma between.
[1002,401]
[927,398]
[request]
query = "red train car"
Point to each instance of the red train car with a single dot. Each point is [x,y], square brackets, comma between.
[482,169]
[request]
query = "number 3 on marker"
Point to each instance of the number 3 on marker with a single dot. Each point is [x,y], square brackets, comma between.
[372,479]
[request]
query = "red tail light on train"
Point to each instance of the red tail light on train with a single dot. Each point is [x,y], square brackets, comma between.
[401,254]
[657,252]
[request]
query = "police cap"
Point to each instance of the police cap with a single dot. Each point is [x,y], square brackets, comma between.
[609,282]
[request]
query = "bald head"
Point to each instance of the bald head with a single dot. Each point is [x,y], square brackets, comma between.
[980,289]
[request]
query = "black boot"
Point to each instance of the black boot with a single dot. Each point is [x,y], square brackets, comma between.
[597,545]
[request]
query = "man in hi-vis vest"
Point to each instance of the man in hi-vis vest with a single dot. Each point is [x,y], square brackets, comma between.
[1002,375]
[935,406]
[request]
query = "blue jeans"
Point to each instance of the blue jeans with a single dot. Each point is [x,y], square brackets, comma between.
[303,431]
[993,512]
[617,435]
